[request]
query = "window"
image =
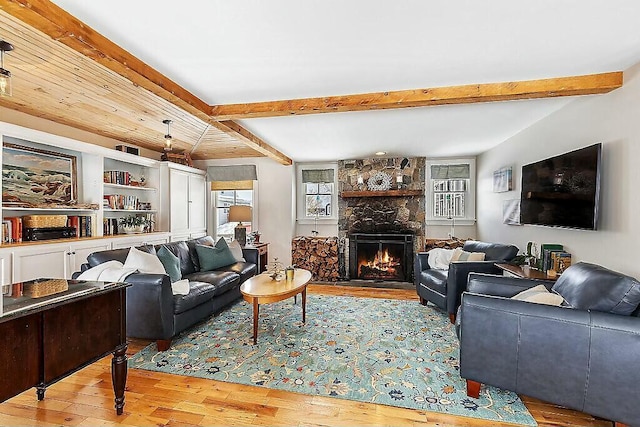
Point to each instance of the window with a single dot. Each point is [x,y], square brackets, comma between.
[223,200]
[317,196]
[451,189]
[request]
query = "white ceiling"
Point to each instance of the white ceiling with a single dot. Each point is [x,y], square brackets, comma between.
[256,50]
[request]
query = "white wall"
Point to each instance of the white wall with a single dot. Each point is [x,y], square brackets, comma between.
[612,119]
[274,203]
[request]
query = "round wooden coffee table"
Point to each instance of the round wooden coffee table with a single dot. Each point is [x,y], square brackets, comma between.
[261,289]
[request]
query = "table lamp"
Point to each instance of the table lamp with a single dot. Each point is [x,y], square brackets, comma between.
[238,214]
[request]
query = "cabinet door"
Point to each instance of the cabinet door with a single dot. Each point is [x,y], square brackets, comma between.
[80,251]
[197,203]
[40,261]
[179,193]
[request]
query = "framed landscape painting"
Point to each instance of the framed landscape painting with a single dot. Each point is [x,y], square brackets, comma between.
[35,178]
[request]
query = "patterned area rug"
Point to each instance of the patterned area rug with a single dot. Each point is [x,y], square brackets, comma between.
[390,352]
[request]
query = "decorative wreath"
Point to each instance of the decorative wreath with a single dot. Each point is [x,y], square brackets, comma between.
[379,182]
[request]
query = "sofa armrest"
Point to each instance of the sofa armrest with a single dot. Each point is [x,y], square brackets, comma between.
[251,255]
[420,263]
[501,286]
[458,276]
[150,306]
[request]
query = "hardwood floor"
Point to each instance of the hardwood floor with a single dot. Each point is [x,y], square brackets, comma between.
[153,398]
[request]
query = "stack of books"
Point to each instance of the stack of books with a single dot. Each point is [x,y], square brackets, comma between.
[554,258]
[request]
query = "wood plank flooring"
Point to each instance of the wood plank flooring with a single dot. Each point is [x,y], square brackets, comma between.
[154,398]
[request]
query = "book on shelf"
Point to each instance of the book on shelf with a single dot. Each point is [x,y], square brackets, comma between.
[545,252]
[15,232]
[117,177]
[560,261]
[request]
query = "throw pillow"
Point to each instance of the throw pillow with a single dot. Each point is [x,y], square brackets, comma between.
[440,258]
[180,287]
[144,262]
[171,263]
[213,257]
[236,250]
[539,295]
[460,255]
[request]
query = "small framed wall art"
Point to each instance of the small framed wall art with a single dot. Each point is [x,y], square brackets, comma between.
[503,180]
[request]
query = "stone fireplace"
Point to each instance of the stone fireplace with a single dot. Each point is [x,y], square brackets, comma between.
[382,228]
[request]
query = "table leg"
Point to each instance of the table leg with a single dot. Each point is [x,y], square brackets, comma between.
[304,305]
[119,375]
[256,309]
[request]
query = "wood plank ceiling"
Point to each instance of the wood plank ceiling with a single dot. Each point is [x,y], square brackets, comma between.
[66,72]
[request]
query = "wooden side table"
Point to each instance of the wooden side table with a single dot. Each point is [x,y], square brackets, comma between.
[263,255]
[525,272]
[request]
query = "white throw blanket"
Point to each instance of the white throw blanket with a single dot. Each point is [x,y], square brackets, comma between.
[110,271]
[440,258]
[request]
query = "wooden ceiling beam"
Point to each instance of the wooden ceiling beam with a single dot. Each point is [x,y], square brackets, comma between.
[486,92]
[63,27]
[255,142]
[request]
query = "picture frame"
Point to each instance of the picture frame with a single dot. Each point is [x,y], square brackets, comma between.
[32,177]
[511,212]
[503,180]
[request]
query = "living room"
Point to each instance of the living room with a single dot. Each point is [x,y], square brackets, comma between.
[551,127]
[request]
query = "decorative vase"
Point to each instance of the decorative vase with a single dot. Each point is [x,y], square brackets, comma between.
[133,229]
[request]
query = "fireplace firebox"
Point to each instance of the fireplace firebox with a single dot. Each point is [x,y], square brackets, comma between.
[381,257]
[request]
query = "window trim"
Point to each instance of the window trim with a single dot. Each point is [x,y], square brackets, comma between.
[470,205]
[215,207]
[300,194]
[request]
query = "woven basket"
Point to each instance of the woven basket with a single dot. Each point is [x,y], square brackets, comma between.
[44,221]
[45,288]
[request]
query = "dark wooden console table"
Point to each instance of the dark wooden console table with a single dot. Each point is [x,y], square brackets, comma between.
[50,328]
[526,272]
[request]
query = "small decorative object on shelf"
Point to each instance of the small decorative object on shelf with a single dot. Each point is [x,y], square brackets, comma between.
[133,224]
[177,157]
[379,182]
[276,270]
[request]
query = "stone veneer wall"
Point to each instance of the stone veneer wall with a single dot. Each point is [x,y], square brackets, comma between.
[404,214]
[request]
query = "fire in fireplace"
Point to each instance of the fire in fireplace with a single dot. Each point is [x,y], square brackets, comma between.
[380,256]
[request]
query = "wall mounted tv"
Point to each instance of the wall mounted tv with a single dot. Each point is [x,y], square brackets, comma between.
[563,191]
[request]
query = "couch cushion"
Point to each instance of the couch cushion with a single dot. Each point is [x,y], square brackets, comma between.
[591,287]
[170,262]
[539,295]
[182,251]
[236,250]
[206,241]
[435,279]
[460,255]
[221,280]
[213,258]
[114,254]
[244,269]
[144,262]
[199,293]
[493,251]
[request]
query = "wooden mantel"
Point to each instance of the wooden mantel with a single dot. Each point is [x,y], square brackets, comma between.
[388,193]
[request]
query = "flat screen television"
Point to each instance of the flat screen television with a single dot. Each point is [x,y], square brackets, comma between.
[563,191]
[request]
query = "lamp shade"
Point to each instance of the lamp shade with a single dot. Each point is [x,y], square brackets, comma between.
[240,213]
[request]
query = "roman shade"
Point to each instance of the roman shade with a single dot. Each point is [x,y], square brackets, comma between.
[317,176]
[460,171]
[235,177]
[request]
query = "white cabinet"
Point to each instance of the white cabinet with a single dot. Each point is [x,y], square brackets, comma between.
[33,262]
[79,251]
[53,260]
[184,197]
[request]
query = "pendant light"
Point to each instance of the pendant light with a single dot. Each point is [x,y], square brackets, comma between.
[5,75]
[167,138]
